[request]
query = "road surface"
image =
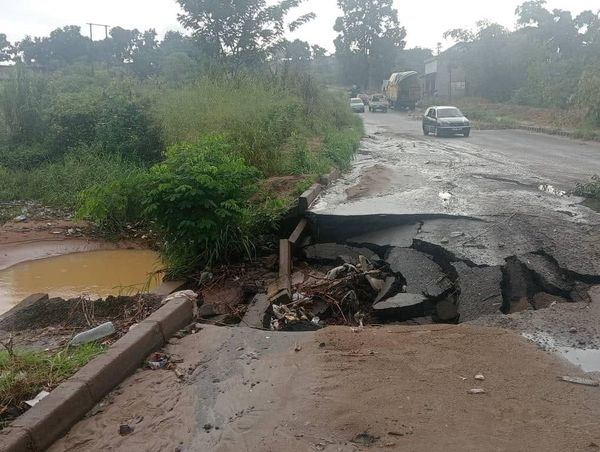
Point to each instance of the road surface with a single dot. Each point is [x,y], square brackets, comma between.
[485,198]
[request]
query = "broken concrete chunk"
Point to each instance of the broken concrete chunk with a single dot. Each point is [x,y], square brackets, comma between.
[255,315]
[481,291]
[403,306]
[333,252]
[422,274]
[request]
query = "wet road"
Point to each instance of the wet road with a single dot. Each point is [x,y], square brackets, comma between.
[494,195]
[560,161]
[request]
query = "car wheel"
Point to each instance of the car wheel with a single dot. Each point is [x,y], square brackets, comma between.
[467,133]
[425,131]
[437,132]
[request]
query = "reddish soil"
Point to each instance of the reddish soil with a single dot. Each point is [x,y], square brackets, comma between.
[389,388]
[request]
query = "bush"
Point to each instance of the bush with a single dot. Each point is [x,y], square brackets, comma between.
[589,189]
[115,204]
[198,198]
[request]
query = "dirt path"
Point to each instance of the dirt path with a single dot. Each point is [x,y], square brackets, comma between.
[406,387]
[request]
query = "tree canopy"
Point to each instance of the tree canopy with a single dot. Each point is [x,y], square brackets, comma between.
[369,38]
[239,33]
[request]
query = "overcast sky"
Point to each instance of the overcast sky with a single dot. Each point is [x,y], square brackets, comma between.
[425,21]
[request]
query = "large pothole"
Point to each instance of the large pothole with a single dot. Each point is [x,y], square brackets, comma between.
[382,269]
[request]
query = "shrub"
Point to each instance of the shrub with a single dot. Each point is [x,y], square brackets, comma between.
[115,204]
[198,198]
[589,189]
[125,128]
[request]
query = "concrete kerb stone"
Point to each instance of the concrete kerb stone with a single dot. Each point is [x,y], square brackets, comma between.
[173,316]
[15,439]
[52,417]
[55,414]
[109,369]
[308,197]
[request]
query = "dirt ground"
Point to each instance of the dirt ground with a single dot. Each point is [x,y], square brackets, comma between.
[383,388]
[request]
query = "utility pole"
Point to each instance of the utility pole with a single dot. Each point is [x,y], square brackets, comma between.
[92,25]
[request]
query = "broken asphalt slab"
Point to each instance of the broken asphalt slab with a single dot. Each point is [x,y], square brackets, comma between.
[480,291]
[422,274]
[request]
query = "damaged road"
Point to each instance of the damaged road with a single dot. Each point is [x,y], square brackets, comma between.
[450,212]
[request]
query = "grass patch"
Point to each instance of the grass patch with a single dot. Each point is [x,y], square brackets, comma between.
[59,183]
[24,373]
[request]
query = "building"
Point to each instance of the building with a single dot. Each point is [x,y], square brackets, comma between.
[445,76]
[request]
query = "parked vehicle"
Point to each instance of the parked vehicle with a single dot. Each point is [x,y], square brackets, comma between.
[364,98]
[403,90]
[445,121]
[357,105]
[378,102]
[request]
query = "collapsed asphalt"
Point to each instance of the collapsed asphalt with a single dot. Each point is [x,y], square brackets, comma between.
[493,215]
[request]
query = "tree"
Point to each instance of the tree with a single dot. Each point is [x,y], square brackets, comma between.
[6,48]
[369,36]
[145,57]
[239,33]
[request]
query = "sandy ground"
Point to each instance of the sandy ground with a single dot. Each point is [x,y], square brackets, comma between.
[405,387]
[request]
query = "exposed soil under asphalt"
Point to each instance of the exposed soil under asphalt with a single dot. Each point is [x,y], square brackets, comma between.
[386,388]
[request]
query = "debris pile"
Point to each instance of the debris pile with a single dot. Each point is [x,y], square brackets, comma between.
[361,289]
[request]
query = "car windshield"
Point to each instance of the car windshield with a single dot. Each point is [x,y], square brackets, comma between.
[356,101]
[376,98]
[449,113]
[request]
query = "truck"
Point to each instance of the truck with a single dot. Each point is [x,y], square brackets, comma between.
[403,90]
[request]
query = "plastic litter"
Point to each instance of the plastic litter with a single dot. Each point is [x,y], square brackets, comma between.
[33,402]
[106,329]
[580,381]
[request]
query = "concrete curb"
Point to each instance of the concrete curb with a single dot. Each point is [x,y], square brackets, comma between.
[51,418]
[308,197]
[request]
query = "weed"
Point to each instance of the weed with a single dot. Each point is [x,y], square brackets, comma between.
[24,373]
[589,189]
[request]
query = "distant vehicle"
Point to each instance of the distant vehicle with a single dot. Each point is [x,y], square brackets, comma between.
[378,102]
[445,121]
[403,90]
[364,98]
[357,105]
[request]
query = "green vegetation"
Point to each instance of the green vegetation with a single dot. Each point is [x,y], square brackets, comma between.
[550,60]
[24,373]
[589,189]
[179,135]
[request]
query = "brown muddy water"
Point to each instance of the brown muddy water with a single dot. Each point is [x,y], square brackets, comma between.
[94,274]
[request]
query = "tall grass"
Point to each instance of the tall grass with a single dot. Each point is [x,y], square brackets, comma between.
[59,183]
[270,122]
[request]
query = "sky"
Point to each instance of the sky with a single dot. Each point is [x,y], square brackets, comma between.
[425,21]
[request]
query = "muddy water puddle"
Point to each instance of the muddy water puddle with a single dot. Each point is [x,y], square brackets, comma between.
[94,274]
